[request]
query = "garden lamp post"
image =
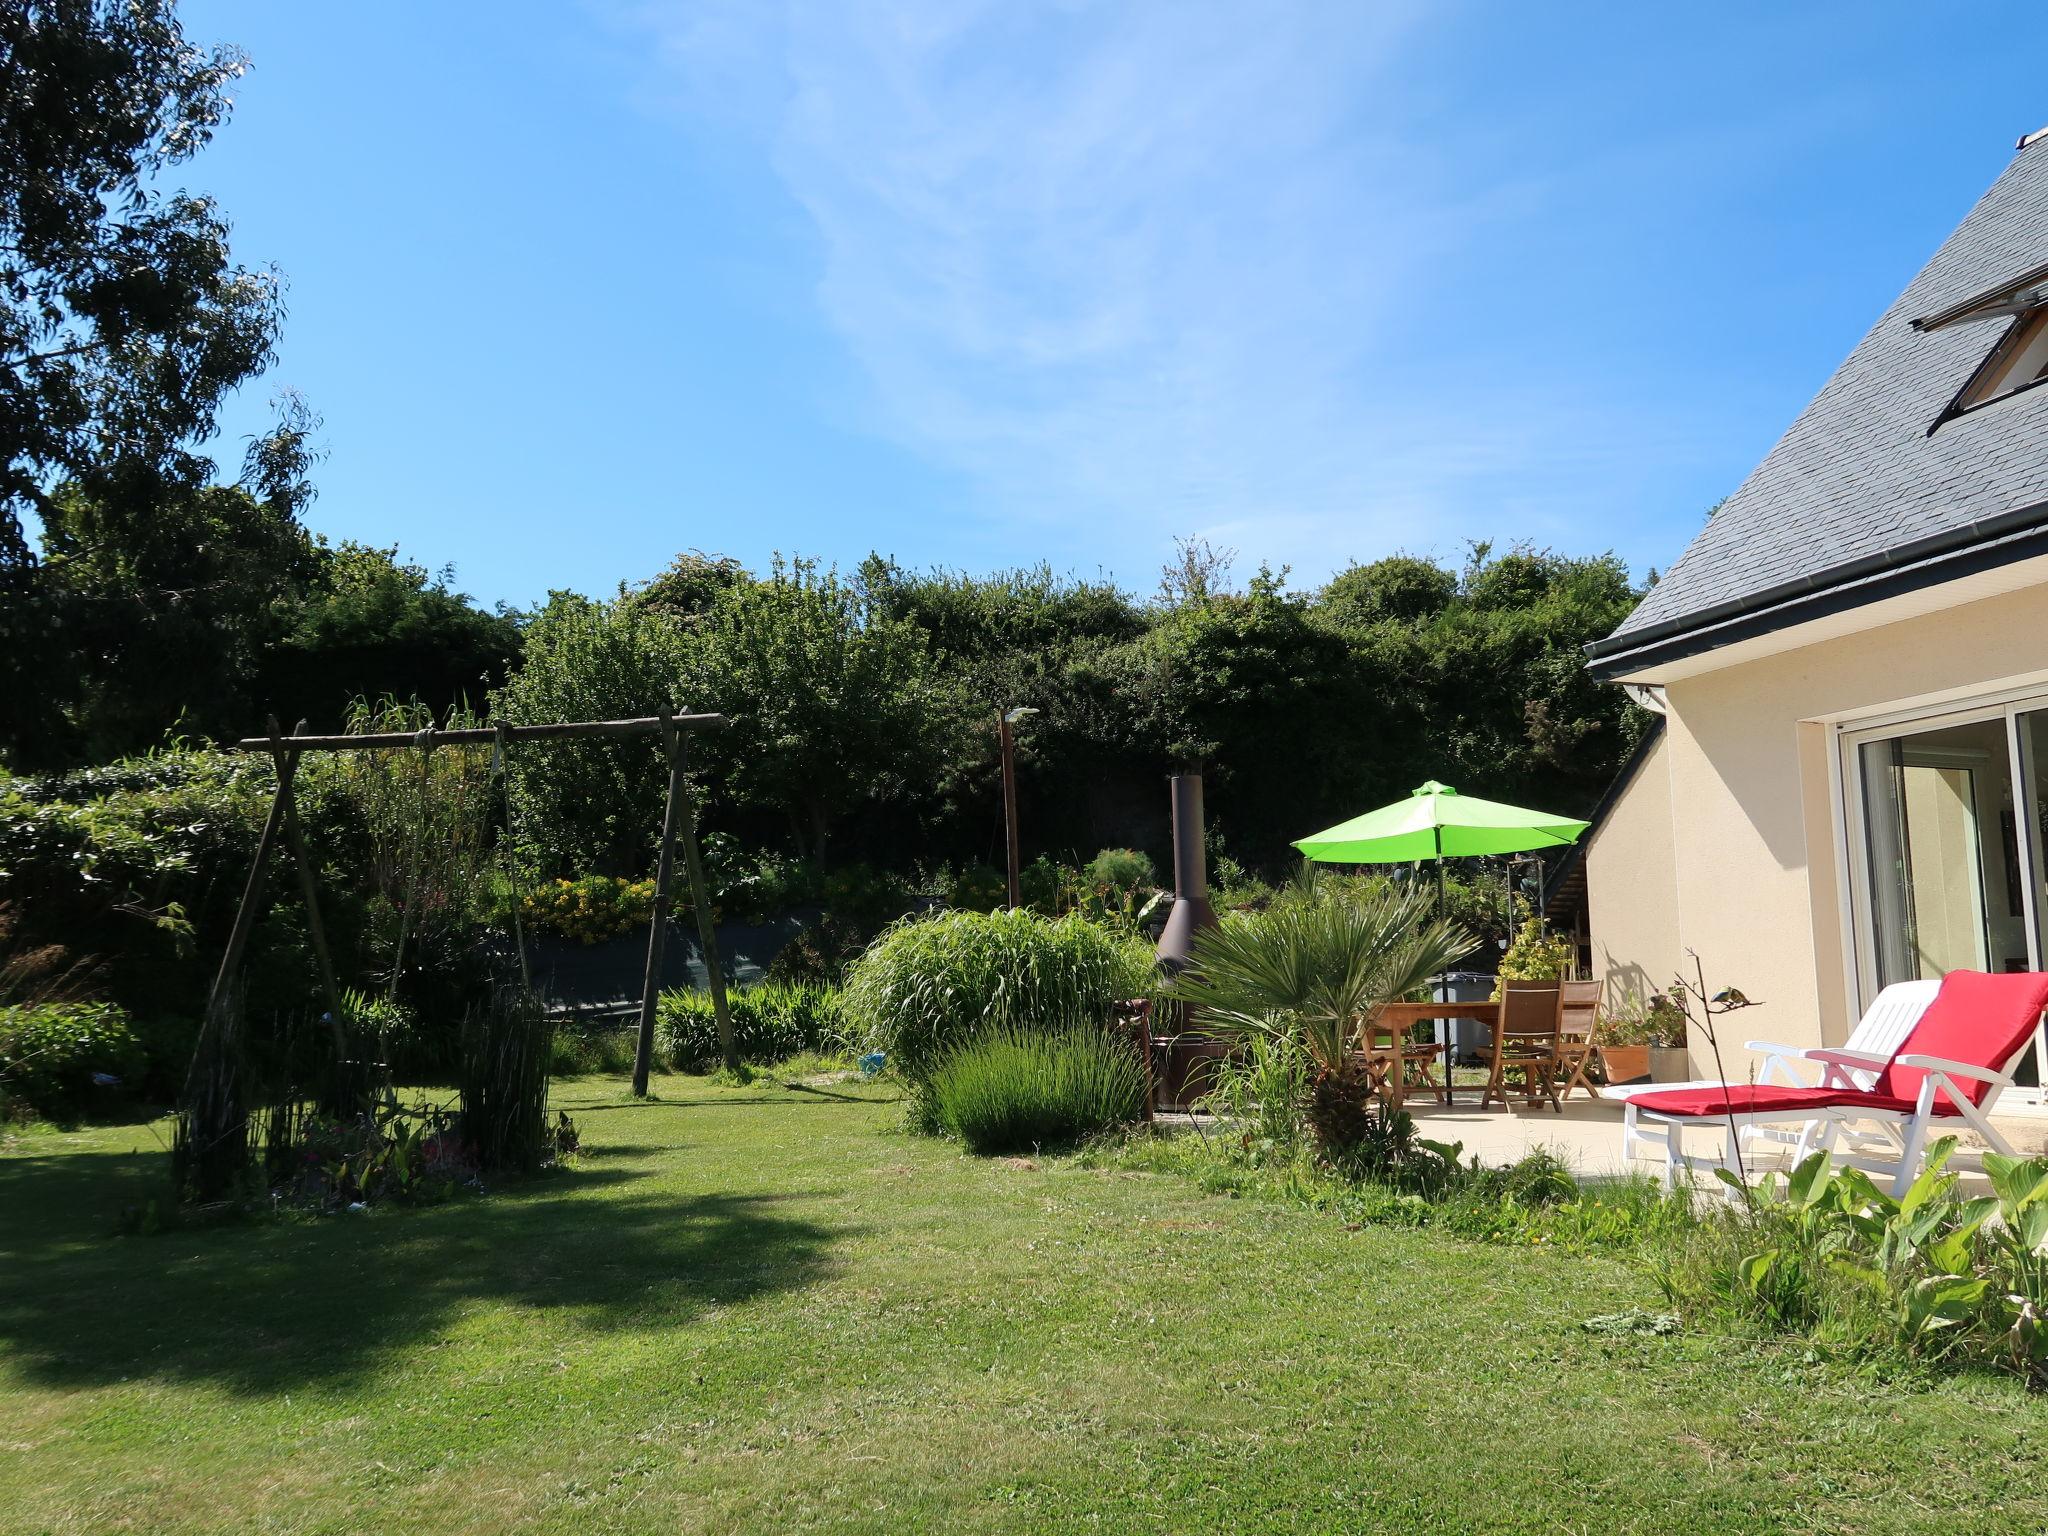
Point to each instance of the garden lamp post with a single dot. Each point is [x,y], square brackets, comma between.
[1005,735]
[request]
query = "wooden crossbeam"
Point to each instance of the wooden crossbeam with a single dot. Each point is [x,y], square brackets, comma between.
[678,825]
[484,735]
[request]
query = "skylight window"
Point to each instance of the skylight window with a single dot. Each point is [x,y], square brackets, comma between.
[2019,361]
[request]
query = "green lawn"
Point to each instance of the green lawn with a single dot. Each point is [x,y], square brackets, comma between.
[766,1310]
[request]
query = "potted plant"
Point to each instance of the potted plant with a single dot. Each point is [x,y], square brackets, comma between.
[1642,1039]
[1669,1060]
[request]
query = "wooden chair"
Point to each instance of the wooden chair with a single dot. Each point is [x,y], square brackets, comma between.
[1526,1041]
[1378,1046]
[1578,1026]
[1133,1020]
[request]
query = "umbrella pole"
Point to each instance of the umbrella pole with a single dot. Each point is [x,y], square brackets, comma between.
[1445,1032]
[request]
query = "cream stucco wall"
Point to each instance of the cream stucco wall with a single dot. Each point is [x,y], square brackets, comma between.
[1748,803]
[1631,886]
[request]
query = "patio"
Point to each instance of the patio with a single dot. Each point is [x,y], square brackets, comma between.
[1588,1134]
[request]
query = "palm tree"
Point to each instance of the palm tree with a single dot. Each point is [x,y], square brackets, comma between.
[1310,971]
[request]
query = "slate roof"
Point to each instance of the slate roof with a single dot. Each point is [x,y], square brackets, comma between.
[1857,486]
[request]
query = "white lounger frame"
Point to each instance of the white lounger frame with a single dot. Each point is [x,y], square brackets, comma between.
[1878,1138]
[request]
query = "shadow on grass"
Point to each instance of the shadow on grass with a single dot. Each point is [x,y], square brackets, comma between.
[265,1307]
[794,1096]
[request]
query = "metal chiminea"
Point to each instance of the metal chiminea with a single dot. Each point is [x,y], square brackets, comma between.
[1191,910]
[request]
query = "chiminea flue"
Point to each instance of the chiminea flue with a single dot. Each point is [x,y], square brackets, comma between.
[1191,910]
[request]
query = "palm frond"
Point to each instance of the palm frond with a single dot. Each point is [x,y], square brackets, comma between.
[1311,970]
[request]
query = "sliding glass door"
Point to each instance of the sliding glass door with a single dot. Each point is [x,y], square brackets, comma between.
[1946,847]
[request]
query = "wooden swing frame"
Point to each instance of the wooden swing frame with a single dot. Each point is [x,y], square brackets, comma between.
[679,824]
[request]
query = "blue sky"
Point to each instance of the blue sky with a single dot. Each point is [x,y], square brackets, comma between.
[579,285]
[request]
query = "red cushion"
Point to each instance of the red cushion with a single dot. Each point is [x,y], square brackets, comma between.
[1976,1018]
[1743,1098]
[1879,1103]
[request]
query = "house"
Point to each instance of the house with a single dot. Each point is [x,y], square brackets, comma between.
[1850,786]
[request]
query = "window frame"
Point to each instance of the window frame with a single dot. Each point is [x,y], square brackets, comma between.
[1976,395]
[2006,704]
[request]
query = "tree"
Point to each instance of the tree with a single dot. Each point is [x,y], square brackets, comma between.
[1280,711]
[1516,715]
[586,805]
[372,625]
[1400,587]
[1024,638]
[835,704]
[163,620]
[686,591]
[123,319]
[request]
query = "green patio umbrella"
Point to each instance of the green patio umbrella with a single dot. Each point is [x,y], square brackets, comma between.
[1436,822]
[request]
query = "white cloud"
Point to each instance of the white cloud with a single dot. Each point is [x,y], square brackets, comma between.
[1154,265]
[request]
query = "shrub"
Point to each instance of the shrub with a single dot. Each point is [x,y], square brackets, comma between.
[51,1052]
[1124,871]
[579,1052]
[818,954]
[863,898]
[592,908]
[978,888]
[770,1021]
[1014,1088]
[930,984]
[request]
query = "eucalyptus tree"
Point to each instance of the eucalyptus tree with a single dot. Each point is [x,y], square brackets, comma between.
[124,319]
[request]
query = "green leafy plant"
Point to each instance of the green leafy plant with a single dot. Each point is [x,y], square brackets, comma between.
[2020,1238]
[1536,954]
[50,1054]
[1015,1089]
[591,908]
[1930,1273]
[1640,1018]
[393,1151]
[929,984]
[770,1021]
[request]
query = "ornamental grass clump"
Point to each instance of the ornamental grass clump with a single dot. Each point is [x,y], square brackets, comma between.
[1013,1089]
[507,1048]
[931,984]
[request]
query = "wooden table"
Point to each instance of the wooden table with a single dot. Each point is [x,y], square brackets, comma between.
[1401,1018]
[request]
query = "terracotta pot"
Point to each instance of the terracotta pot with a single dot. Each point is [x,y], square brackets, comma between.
[1625,1063]
[1669,1064]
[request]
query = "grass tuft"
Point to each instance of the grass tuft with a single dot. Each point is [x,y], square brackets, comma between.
[1013,1089]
